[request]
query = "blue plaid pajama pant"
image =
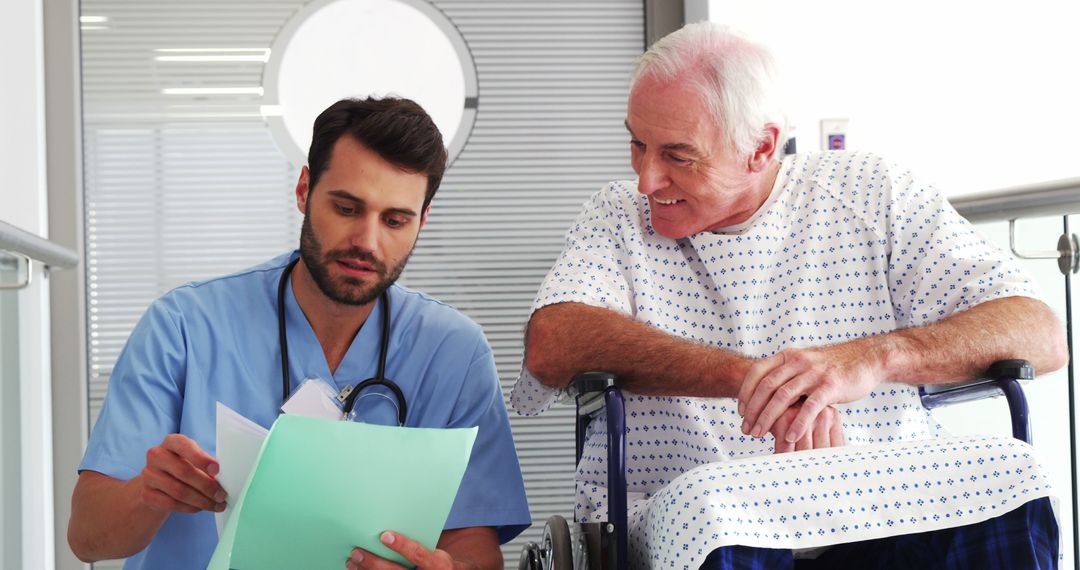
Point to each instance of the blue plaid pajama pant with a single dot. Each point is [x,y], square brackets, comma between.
[1023,539]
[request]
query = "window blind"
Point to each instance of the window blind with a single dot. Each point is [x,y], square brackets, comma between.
[180,187]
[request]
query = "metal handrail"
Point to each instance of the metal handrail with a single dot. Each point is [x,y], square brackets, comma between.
[1053,198]
[24,243]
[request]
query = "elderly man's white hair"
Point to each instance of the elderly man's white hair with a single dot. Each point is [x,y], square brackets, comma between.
[735,76]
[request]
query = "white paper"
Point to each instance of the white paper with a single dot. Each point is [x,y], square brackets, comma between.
[239,441]
[314,398]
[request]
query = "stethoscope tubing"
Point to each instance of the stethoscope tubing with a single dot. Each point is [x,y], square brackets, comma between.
[380,378]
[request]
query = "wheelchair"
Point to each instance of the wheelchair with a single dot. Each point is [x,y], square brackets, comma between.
[568,545]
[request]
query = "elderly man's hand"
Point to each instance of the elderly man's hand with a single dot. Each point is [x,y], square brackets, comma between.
[409,549]
[828,431]
[814,378]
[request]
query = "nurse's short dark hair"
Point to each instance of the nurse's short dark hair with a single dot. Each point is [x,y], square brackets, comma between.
[396,129]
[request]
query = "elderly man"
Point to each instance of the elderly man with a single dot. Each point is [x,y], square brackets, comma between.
[751,304]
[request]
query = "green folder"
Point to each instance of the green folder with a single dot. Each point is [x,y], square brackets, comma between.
[322,487]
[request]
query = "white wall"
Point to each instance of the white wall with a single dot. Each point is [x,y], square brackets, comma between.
[23,204]
[973,96]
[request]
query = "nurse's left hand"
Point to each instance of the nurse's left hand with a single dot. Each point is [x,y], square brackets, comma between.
[409,549]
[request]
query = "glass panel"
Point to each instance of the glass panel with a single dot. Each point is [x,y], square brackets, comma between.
[1069,538]
[1048,394]
[10,484]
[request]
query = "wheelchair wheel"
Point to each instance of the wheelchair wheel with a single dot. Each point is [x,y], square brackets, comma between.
[530,557]
[556,550]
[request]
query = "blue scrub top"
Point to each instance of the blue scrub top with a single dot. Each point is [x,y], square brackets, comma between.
[217,340]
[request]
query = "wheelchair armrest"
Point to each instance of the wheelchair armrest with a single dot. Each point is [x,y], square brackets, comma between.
[1002,378]
[587,391]
[937,395]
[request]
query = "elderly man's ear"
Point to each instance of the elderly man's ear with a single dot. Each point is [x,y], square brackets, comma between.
[766,150]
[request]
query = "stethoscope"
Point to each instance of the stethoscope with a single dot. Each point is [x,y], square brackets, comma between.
[348,395]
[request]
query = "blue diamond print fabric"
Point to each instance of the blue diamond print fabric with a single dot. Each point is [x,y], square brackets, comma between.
[822,497]
[847,245]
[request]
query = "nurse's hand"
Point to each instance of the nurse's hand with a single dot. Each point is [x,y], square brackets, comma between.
[409,549]
[828,431]
[179,477]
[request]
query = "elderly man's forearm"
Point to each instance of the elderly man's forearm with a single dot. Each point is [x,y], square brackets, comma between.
[567,338]
[964,345]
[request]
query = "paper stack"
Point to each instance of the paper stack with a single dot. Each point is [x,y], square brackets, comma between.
[310,489]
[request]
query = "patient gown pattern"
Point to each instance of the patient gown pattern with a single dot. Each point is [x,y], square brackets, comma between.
[846,246]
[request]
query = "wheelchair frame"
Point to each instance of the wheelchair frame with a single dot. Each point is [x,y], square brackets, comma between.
[573,546]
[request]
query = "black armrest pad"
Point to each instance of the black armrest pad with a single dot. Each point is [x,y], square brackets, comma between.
[589,382]
[1015,369]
